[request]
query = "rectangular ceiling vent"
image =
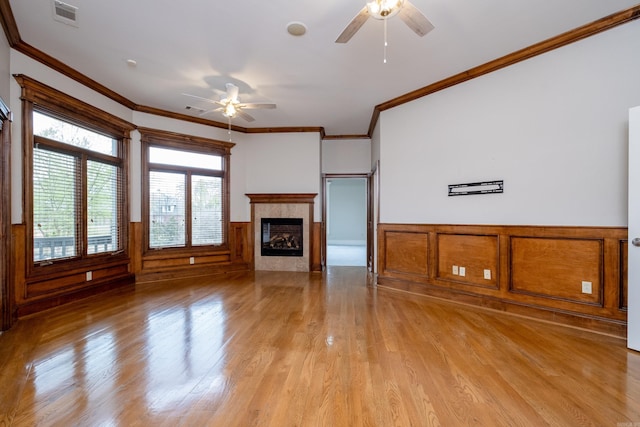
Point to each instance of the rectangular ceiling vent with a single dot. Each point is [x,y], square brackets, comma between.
[65,13]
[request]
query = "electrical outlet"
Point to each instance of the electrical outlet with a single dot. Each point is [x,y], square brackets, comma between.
[487,274]
[587,288]
[462,271]
[192,260]
[455,270]
[89,276]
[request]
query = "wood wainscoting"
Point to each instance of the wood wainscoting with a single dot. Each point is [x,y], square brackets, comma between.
[34,294]
[162,265]
[537,271]
[37,292]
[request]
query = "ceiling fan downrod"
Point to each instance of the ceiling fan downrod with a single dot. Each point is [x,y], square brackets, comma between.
[384,59]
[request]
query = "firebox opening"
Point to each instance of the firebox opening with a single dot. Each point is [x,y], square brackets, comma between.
[281,237]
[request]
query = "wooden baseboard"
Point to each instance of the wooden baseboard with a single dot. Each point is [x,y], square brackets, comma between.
[187,272]
[601,325]
[31,307]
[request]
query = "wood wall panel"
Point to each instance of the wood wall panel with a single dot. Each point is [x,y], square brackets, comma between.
[19,269]
[135,247]
[240,242]
[624,296]
[556,268]
[406,253]
[474,253]
[536,271]
[316,247]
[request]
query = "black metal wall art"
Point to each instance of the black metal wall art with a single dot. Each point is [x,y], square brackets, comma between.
[484,187]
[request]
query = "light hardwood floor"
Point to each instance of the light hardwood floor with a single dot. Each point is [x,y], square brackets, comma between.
[298,349]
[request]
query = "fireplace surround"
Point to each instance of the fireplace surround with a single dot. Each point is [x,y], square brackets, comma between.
[284,206]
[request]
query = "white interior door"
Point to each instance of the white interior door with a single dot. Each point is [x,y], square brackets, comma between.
[633,256]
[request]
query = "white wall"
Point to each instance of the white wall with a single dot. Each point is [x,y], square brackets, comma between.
[554,128]
[275,163]
[5,75]
[260,163]
[346,156]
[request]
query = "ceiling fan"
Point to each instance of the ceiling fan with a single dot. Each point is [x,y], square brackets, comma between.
[229,105]
[383,10]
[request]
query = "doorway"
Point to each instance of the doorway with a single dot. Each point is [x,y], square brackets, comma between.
[346,213]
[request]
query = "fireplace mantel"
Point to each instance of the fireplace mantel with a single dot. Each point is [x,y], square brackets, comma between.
[282,205]
[281,197]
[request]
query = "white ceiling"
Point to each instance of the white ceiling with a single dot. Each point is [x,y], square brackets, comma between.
[196,46]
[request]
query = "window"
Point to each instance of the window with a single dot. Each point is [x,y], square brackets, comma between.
[75,179]
[186,202]
[74,170]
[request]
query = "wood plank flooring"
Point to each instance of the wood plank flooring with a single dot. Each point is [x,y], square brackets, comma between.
[298,349]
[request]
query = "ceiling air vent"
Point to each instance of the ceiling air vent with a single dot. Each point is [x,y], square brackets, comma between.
[65,13]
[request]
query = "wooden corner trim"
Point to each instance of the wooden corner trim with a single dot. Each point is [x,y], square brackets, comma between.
[9,23]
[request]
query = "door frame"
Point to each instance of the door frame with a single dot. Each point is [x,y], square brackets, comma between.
[633,252]
[323,234]
[6,291]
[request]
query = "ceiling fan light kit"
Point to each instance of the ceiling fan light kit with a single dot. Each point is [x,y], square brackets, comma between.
[383,10]
[230,106]
[229,110]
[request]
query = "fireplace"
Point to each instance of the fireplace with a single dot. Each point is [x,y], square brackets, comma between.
[281,237]
[282,206]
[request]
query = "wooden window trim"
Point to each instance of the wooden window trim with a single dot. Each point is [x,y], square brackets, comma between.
[39,97]
[165,139]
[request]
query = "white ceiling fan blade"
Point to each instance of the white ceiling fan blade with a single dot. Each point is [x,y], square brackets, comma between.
[201,111]
[245,116]
[415,19]
[202,99]
[232,92]
[255,106]
[353,26]
[204,113]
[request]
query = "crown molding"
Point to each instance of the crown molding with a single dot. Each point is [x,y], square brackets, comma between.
[545,46]
[9,23]
[13,37]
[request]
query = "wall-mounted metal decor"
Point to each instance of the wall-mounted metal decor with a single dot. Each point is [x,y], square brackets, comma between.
[484,187]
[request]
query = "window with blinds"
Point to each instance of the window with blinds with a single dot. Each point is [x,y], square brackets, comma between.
[206,210]
[77,194]
[186,198]
[167,209]
[56,204]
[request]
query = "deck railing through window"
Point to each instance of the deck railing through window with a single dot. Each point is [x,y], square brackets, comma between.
[45,248]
